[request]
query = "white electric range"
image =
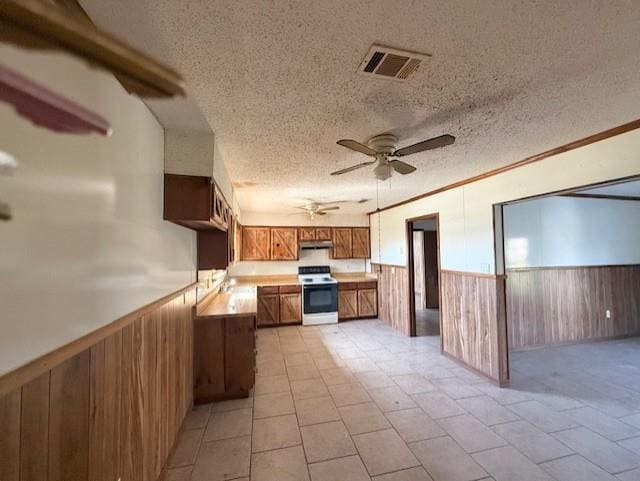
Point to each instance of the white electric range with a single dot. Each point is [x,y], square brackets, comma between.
[319,295]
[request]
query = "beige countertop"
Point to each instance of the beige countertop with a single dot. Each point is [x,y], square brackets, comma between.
[238,301]
[292,280]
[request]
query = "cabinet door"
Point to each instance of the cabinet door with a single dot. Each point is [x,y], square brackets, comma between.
[361,244]
[290,308]
[342,243]
[347,304]
[367,303]
[268,309]
[323,233]
[284,244]
[239,354]
[307,233]
[256,243]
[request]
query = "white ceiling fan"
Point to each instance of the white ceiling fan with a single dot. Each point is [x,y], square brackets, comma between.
[383,148]
[315,208]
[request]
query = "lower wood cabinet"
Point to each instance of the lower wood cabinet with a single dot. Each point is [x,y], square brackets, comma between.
[357,300]
[279,305]
[224,358]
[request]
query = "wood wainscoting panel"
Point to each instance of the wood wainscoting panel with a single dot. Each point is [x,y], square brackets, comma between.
[112,411]
[393,296]
[473,322]
[554,305]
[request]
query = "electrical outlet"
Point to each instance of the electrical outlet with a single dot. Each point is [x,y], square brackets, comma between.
[608,314]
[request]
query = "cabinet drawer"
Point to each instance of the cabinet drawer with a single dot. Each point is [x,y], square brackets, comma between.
[290,289]
[367,285]
[347,286]
[267,290]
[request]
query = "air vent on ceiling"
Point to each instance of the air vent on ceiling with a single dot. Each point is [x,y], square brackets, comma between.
[390,63]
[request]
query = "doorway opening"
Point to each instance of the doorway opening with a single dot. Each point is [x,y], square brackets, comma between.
[424,275]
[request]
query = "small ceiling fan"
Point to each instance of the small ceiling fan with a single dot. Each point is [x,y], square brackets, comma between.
[314,208]
[383,148]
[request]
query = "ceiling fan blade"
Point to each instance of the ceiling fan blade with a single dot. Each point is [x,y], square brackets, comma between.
[353,167]
[433,143]
[357,146]
[321,213]
[329,208]
[362,201]
[402,167]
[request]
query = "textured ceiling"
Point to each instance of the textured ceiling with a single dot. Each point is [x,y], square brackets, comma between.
[276,81]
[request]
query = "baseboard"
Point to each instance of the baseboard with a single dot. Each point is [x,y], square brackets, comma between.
[476,371]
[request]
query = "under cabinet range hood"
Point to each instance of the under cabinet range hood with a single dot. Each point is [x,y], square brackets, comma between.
[315,245]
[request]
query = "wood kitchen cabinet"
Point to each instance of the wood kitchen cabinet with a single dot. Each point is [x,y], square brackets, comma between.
[357,300]
[284,244]
[361,243]
[268,306]
[323,233]
[290,305]
[342,243]
[224,357]
[307,233]
[256,243]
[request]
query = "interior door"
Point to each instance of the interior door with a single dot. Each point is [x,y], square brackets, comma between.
[431,268]
[419,274]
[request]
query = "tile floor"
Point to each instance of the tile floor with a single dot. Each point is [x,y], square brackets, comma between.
[359,401]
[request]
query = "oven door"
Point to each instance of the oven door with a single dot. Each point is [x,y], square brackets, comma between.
[320,298]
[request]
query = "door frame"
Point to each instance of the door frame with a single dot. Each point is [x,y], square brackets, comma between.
[412,301]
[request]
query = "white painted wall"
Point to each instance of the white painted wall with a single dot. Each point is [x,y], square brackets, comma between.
[466,218]
[87,243]
[311,257]
[569,231]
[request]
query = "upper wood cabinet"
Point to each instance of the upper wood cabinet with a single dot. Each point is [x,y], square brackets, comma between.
[256,243]
[284,243]
[307,233]
[342,243]
[323,233]
[361,243]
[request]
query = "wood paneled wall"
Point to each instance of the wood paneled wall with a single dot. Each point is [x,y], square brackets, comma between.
[558,305]
[111,411]
[393,296]
[473,322]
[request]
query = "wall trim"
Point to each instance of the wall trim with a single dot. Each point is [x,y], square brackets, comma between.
[537,347]
[472,274]
[23,374]
[620,129]
[541,268]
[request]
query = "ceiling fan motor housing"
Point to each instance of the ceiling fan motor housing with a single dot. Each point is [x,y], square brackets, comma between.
[384,143]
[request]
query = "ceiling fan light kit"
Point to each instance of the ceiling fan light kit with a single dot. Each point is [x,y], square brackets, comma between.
[383,148]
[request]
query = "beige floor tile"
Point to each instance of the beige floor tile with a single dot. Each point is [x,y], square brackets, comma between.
[361,364]
[391,398]
[275,433]
[411,474]
[298,358]
[374,379]
[271,368]
[575,468]
[363,418]
[229,424]
[342,469]
[413,383]
[602,424]
[471,434]
[328,362]
[633,475]
[384,452]
[273,405]
[179,474]
[232,404]
[308,388]
[197,417]
[346,394]
[316,410]
[438,405]
[326,441]
[222,460]
[303,372]
[187,448]
[414,425]
[287,464]
[337,375]
[271,384]
[531,441]
[487,410]
[541,416]
[507,464]
[446,461]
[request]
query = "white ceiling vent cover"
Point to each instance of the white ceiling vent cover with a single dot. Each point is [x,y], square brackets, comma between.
[390,63]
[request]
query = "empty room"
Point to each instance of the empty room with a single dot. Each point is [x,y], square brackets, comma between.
[319,241]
